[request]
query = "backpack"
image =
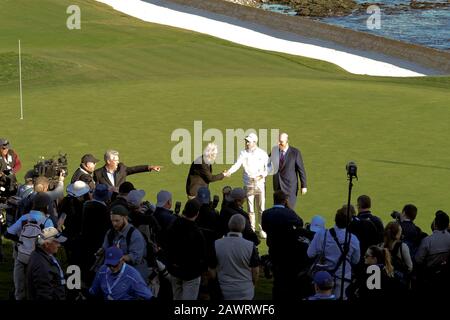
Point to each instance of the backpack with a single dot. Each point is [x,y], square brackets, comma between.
[401,272]
[366,232]
[27,239]
[150,256]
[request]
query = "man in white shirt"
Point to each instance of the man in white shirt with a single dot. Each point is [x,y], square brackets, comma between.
[255,161]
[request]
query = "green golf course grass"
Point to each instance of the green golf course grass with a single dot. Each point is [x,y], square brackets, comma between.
[120,83]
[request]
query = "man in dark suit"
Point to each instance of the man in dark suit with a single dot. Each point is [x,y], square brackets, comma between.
[85,172]
[114,173]
[287,163]
[287,253]
[200,172]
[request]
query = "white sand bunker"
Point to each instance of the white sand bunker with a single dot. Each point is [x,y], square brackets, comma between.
[348,60]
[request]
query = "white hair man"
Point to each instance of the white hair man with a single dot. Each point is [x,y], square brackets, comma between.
[200,172]
[114,173]
[287,163]
[255,161]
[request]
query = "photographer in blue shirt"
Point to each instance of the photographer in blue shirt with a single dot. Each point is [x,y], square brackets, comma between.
[117,280]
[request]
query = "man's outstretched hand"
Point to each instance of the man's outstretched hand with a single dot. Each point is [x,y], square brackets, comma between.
[154,168]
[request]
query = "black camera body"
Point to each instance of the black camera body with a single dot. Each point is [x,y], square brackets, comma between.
[396,215]
[51,168]
[351,169]
[266,263]
[177,208]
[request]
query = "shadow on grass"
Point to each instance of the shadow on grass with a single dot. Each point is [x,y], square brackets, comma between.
[411,164]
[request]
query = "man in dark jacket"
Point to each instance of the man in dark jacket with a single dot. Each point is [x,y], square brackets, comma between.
[235,202]
[200,172]
[114,173]
[186,250]
[367,227]
[287,163]
[95,222]
[164,216]
[45,277]
[286,252]
[86,171]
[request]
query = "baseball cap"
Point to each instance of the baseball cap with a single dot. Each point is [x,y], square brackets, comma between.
[89,158]
[323,280]
[51,233]
[236,194]
[4,143]
[135,197]
[101,192]
[203,195]
[126,187]
[162,198]
[317,224]
[252,137]
[113,256]
[120,210]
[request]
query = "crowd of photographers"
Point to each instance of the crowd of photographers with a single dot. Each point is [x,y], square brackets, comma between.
[128,248]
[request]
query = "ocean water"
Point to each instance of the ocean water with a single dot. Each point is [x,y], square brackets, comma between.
[428,27]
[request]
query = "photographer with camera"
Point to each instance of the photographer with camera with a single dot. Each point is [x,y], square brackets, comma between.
[9,165]
[164,215]
[41,184]
[412,235]
[338,253]
[287,255]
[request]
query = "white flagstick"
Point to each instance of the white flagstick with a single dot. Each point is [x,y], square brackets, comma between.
[20,83]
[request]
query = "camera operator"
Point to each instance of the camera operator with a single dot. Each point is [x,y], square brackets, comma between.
[41,184]
[208,222]
[85,172]
[235,205]
[412,235]
[283,227]
[9,165]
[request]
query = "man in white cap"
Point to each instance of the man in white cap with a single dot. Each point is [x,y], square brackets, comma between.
[255,162]
[45,277]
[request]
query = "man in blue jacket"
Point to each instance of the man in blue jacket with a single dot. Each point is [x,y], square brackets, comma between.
[117,280]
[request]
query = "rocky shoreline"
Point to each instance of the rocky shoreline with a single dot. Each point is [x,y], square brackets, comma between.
[337,8]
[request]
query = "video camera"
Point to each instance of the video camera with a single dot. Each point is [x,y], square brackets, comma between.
[51,168]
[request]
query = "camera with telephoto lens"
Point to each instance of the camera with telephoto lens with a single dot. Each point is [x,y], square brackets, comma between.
[266,263]
[215,202]
[351,169]
[396,215]
[177,208]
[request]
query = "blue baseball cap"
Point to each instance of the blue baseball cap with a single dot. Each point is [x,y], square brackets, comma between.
[113,256]
[323,280]
[317,224]
[203,195]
